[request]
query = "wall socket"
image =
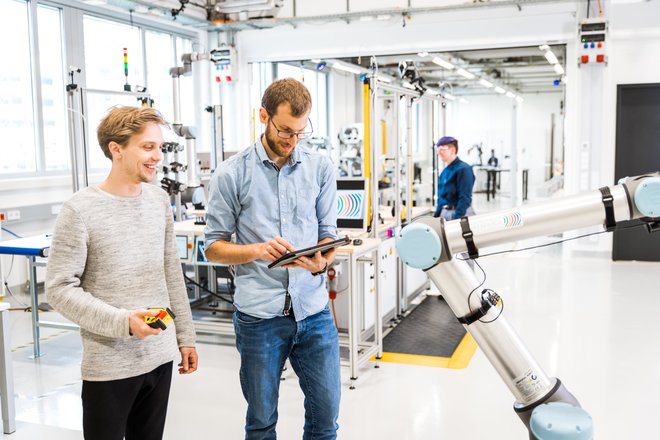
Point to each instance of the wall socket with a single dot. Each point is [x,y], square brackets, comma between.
[13,215]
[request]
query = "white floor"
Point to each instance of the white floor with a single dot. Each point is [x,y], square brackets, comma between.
[588,321]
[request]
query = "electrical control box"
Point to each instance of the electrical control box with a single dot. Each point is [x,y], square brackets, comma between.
[593,40]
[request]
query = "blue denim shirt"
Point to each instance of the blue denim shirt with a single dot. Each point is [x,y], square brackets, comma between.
[455,188]
[250,197]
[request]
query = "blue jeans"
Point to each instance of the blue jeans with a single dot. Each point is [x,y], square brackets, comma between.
[312,345]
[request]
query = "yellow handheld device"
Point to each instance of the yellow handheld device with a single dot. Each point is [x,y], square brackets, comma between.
[162,320]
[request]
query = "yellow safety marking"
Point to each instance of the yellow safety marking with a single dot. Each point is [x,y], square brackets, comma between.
[458,360]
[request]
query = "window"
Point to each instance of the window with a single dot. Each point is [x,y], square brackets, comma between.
[17,149]
[104,54]
[160,59]
[35,126]
[51,52]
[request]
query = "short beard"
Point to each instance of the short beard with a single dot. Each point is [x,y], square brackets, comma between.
[272,139]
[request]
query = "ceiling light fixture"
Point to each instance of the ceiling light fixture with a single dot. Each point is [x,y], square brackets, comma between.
[519,99]
[442,63]
[510,95]
[551,57]
[423,54]
[464,73]
[500,90]
[559,70]
[347,68]
[485,83]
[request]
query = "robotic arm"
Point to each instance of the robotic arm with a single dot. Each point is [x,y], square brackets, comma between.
[430,244]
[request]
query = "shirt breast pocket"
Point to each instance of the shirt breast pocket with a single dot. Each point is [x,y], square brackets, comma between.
[306,203]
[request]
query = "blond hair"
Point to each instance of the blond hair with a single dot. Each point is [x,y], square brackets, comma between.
[121,123]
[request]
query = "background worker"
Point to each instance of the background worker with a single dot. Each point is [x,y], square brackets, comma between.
[455,183]
[113,255]
[278,197]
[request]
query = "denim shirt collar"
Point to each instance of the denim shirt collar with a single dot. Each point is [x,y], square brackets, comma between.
[294,159]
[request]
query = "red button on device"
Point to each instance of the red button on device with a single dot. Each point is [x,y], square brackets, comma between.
[585,59]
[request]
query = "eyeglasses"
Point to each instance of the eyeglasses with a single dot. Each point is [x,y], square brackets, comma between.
[286,134]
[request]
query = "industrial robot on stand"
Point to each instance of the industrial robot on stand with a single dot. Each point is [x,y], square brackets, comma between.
[546,407]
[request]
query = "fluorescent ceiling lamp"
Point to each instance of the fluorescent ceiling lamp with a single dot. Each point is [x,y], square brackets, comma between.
[367,18]
[464,73]
[383,17]
[544,47]
[315,60]
[485,83]
[558,69]
[519,99]
[551,57]
[500,90]
[347,68]
[423,54]
[449,96]
[510,95]
[442,63]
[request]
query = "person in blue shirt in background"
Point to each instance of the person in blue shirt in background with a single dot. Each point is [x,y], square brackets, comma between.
[454,183]
[277,197]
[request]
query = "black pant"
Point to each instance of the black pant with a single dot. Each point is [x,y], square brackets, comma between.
[134,407]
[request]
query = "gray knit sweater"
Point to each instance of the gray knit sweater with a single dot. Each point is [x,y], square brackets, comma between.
[110,255]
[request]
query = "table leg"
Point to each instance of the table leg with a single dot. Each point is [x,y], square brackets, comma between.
[353,323]
[34,297]
[6,376]
[378,322]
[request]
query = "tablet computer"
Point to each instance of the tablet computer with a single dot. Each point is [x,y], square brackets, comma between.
[291,256]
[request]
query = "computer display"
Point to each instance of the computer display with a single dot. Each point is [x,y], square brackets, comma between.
[200,257]
[352,204]
[182,246]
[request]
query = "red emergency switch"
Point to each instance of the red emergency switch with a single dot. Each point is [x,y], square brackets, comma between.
[600,58]
[585,59]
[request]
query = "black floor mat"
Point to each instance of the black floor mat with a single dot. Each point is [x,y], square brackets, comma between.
[431,329]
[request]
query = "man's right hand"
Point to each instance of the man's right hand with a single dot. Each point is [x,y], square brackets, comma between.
[273,249]
[136,325]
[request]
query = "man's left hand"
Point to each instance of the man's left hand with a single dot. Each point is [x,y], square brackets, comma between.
[188,362]
[313,265]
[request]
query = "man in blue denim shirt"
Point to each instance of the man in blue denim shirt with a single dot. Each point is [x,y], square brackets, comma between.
[277,197]
[454,183]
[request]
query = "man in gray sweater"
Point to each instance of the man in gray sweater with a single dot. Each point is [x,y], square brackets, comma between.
[113,256]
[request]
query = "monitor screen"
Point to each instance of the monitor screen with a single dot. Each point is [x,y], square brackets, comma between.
[201,256]
[182,246]
[351,204]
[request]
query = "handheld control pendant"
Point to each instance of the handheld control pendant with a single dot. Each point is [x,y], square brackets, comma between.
[162,320]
